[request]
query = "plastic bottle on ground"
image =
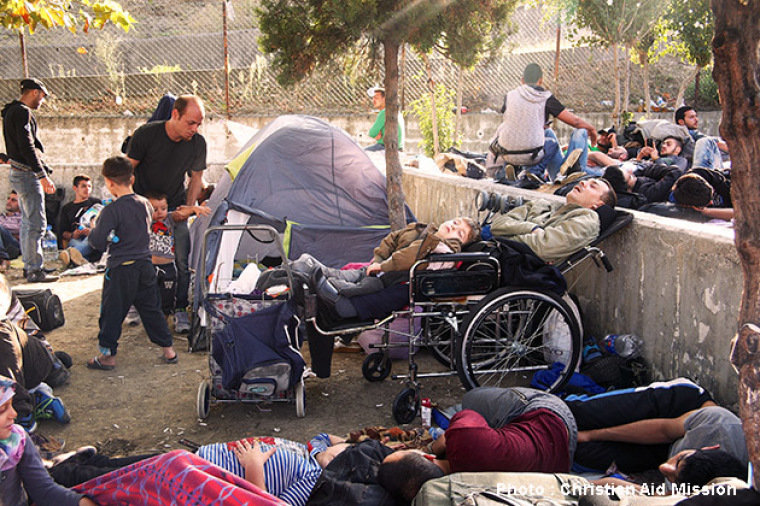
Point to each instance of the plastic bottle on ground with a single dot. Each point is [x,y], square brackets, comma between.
[49,245]
[624,345]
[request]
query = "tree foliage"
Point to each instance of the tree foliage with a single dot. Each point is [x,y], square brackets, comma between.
[689,25]
[31,14]
[621,22]
[303,34]
[444,105]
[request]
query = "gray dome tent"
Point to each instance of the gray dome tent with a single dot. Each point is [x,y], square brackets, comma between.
[310,181]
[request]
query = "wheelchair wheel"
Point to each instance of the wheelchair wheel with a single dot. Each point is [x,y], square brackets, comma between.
[515,336]
[405,406]
[440,337]
[299,392]
[376,367]
[203,403]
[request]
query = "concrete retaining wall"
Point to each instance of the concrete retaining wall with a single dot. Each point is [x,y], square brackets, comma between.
[675,284]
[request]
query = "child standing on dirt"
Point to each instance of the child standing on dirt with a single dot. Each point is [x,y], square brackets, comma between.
[130,279]
[162,249]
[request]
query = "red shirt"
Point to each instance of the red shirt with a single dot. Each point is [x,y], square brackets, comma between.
[534,442]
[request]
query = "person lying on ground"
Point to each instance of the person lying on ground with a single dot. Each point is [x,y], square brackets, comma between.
[498,429]
[637,429]
[652,182]
[701,149]
[669,153]
[699,195]
[285,469]
[24,479]
[519,430]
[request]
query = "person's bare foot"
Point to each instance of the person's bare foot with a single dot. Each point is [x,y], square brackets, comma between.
[170,355]
[5,264]
[102,362]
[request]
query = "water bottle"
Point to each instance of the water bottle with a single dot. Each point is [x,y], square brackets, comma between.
[112,237]
[426,407]
[88,217]
[624,345]
[49,245]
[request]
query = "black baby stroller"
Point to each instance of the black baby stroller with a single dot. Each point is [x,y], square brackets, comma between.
[254,338]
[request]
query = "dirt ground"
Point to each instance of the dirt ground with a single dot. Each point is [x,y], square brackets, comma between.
[145,406]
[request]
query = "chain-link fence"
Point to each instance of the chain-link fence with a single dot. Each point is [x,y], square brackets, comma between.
[178,47]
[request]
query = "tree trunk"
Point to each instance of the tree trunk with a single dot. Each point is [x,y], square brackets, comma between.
[433,105]
[684,84]
[616,75]
[402,80]
[696,90]
[458,121]
[22,46]
[736,67]
[644,60]
[627,80]
[393,172]
[558,44]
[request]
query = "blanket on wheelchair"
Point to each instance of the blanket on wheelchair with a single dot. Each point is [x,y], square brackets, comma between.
[522,268]
[178,477]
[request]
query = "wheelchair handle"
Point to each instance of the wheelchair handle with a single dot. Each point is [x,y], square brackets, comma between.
[458,257]
[606,262]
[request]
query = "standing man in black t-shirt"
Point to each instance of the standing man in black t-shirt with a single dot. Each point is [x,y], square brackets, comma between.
[163,152]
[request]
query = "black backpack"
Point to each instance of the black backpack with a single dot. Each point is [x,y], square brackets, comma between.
[43,307]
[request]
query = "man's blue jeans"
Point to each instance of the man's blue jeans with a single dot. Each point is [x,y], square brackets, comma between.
[553,156]
[9,247]
[31,201]
[85,249]
[707,154]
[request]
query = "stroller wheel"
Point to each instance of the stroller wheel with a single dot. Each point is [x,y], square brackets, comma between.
[376,367]
[405,406]
[204,399]
[300,394]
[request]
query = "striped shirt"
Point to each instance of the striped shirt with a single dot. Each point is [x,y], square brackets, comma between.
[290,473]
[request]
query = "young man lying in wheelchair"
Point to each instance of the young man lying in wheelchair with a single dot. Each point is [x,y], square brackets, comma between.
[547,232]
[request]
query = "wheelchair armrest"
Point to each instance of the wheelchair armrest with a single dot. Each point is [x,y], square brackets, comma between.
[458,257]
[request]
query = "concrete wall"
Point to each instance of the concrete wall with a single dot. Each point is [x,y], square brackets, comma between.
[675,284]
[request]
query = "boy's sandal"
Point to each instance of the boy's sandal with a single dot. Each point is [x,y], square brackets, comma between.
[172,360]
[94,363]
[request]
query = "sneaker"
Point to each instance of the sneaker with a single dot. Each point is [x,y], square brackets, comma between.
[64,257]
[40,276]
[570,164]
[133,317]
[76,257]
[47,407]
[58,376]
[181,322]
[27,422]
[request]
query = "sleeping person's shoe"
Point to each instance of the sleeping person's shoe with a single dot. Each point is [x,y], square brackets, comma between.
[47,407]
[323,288]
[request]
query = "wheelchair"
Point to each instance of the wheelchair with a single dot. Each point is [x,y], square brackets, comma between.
[485,332]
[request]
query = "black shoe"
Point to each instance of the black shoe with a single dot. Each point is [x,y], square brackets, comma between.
[43,269]
[40,277]
[323,288]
